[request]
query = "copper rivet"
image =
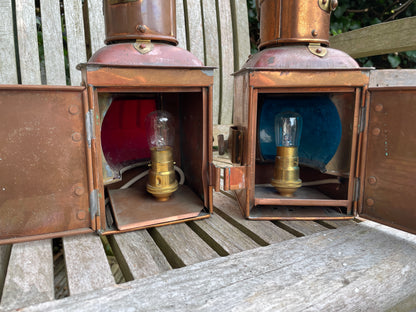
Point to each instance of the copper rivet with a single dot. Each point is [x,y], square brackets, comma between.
[73,109]
[76,137]
[318,50]
[379,107]
[323,1]
[141,28]
[370,202]
[372,181]
[79,190]
[142,46]
[314,33]
[81,214]
[376,131]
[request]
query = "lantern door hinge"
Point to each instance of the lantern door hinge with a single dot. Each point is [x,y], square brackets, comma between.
[94,204]
[357,184]
[362,119]
[89,127]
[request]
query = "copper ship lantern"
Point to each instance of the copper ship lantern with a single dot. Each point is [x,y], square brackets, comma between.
[357,152]
[129,149]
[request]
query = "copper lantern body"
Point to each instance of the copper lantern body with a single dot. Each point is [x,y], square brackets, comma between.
[87,143]
[344,167]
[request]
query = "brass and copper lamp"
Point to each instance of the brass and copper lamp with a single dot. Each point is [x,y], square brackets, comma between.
[288,128]
[160,129]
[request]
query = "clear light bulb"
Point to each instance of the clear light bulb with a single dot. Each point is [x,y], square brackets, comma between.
[288,129]
[160,131]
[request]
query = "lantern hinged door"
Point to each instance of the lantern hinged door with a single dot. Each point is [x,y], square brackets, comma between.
[46,175]
[388,159]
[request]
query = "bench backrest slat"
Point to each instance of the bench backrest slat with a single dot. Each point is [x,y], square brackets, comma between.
[53,43]
[27,42]
[8,68]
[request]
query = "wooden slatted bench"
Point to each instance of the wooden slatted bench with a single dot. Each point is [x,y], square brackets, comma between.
[222,263]
[27,269]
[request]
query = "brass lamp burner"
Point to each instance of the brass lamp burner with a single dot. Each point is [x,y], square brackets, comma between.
[162,182]
[286,171]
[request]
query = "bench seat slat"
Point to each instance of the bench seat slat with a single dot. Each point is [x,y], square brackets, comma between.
[265,230]
[334,270]
[305,227]
[138,255]
[182,245]
[4,260]
[86,263]
[228,237]
[29,278]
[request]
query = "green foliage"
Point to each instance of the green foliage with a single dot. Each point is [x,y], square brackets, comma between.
[355,14]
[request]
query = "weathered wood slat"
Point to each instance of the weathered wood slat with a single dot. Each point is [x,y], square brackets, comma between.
[304,227]
[74,23]
[212,53]
[52,42]
[338,223]
[8,69]
[241,33]
[390,37]
[180,24]
[227,60]
[223,235]
[4,261]
[353,268]
[29,278]
[138,255]
[264,232]
[195,33]
[96,24]
[86,263]
[28,42]
[393,78]
[181,245]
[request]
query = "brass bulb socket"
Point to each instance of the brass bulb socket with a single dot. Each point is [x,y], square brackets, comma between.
[286,171]
[161,181]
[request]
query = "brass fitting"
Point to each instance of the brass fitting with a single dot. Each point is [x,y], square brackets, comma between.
[286,171]
[161,181]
